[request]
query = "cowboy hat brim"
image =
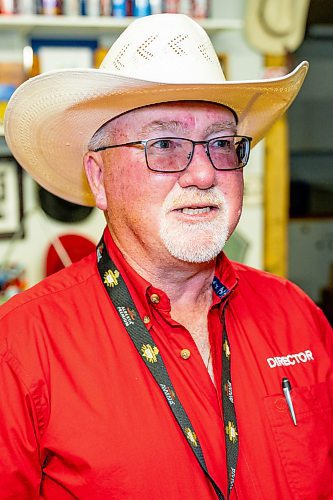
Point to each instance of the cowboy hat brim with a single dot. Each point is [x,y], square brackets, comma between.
[51,118]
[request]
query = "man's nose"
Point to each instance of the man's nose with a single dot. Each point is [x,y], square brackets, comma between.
[200,172]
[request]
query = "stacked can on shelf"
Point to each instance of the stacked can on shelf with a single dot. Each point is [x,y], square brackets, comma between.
[116,8]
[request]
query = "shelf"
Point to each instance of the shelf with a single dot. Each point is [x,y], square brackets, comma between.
[62,24]
[75,26]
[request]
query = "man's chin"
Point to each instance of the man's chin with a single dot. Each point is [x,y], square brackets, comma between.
[194,243]
[194,252]
[195,259]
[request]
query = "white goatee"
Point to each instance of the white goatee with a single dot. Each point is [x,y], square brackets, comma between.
[199,241]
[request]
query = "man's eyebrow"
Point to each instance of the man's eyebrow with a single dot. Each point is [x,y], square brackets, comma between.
[228,125]
[176,126]
[159,125]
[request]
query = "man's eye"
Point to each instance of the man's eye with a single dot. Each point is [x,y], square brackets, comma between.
[163,144]
[224,144]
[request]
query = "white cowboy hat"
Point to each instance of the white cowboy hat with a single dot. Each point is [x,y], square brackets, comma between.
[276,26]
[51,118]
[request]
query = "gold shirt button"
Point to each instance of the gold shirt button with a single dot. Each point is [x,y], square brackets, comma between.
[154,298]
[185,353]
[146,320]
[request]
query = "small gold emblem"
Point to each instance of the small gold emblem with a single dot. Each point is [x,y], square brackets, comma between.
[150,353]
[131,313]
[226,349]
[172,393]
[228,390]
[191,436]
[231,432]
[111,277]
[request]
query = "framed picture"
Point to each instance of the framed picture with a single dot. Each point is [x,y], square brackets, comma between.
[54,54]
[11,199]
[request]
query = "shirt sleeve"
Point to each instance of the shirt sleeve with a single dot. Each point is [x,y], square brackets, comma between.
[20,464]
[326,331]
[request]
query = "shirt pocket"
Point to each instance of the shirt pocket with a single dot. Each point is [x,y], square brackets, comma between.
[305,449]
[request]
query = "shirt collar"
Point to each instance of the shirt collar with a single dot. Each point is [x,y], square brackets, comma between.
[225,279]
[137,285]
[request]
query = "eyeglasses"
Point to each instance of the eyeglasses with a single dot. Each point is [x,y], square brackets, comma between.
[174,154]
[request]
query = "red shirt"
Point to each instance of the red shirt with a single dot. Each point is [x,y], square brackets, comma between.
[81,416]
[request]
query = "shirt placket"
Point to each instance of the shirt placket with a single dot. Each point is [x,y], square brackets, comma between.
[182,352]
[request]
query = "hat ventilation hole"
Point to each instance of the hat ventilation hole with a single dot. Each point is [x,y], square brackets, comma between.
[175,42]
[142,49]
[117,63]
[204,52]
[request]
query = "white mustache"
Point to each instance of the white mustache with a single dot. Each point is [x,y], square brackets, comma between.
[191,196]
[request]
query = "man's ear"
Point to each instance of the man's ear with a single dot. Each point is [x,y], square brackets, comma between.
[93,165]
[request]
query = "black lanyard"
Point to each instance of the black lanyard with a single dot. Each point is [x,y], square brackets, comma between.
[150,354]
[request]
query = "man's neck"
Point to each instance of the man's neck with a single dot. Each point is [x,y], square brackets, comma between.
[185,283]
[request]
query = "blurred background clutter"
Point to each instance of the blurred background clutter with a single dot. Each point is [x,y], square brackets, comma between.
[116,8]
[287,224]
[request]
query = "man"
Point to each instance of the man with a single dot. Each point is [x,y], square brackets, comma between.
[157,368]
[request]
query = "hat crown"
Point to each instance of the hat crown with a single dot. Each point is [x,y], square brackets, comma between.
[165,48]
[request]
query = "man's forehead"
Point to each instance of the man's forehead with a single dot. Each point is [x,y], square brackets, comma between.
[181,116]
[182,106]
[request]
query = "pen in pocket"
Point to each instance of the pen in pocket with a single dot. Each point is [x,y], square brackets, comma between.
[286,387]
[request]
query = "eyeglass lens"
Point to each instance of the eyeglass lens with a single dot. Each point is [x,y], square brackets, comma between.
[174,154]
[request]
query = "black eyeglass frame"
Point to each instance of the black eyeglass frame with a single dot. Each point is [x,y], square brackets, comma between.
[194,143]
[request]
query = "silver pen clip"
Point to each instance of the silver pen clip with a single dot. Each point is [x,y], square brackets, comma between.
[286,387]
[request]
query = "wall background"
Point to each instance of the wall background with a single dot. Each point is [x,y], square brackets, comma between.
[311,166]
[310,238]
[243,63]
